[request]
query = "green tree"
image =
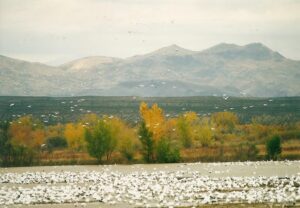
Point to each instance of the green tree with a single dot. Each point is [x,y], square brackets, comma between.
[146,138]
[100,141]
[273,147]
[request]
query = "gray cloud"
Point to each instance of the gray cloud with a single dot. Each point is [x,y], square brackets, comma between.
[55,31]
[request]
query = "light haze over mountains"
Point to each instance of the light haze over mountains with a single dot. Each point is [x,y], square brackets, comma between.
[249,70]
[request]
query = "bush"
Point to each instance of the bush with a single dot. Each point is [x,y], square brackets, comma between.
[127,149]
[165,153]
[240,152]
[252,152]
[56,143]
[205,136]
[246,152]
[23,156]
[226,121]
[273,147]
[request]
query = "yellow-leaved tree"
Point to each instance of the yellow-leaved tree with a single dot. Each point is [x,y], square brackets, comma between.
[123,137]
[27,131]
[55,131]
[186,125]
[225,121]
[171,130]
[157,135]
[154,119]
[75,136]
[203,132]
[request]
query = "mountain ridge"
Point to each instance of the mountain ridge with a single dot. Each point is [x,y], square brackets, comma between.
[253,69]
[88,62]
[175,46]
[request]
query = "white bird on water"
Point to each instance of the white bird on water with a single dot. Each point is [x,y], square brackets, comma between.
[141,187]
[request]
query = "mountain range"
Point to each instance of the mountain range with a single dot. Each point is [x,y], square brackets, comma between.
[224,70]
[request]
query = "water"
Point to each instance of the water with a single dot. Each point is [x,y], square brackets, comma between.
[168,185]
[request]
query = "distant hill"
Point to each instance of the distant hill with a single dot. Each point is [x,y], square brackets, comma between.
[250,70]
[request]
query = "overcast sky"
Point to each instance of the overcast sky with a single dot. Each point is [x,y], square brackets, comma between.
[57,31]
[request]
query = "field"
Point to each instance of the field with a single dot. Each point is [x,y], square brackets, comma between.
[68,109]
[262,184]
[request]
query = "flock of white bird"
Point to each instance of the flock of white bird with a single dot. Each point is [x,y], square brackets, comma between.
[156,188]
[75,107]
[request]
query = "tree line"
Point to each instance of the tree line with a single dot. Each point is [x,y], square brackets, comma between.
[156,137]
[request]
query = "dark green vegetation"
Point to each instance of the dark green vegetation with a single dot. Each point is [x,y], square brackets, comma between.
[53,110]
[54,143]
[166,152]
[274,147]
[146,138]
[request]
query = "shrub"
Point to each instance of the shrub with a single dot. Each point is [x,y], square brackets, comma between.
[246,151]
[225,121]
[165,153]
[273,147]
[56,143]
[23,156]
[252,152]
[127,149]
[205,136]
[240,152]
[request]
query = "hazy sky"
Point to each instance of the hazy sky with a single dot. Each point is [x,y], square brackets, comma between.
[56,31]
